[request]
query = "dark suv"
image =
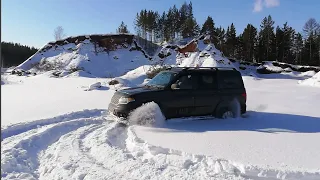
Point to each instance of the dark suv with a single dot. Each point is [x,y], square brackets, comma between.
[185,92]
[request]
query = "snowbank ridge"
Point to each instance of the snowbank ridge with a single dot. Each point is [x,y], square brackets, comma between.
[313,81]
[108,55]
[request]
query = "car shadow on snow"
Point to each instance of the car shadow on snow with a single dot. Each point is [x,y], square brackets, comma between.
[284,76]
[103,88]
[252,121]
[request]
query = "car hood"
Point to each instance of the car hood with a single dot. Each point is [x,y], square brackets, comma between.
[137,90]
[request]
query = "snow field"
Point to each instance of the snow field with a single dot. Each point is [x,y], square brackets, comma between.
[312,81]
[276,139]
[56,128]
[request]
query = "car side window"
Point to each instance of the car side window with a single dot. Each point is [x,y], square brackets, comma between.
[230,80]
[207,81]
[187,82]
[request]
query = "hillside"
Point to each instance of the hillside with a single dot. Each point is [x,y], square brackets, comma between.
[200,52]
[113,55]
[108,55]
[63,128]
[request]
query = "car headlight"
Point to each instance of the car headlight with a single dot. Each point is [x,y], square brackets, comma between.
[125,100]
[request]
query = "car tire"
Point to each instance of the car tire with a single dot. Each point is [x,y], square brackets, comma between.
[224,113]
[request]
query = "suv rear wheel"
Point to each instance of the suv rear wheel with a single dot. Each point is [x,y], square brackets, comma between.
[231,109]
[224,113]
[227,114]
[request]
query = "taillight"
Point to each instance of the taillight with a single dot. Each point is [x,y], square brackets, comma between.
[244,95]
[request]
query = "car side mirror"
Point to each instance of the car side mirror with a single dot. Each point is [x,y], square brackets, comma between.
[174,86]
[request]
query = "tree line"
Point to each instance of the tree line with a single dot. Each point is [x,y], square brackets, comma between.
[13,54]
[254,44]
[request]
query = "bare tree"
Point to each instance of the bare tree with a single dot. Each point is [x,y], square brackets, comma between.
[59,33]
[310,29]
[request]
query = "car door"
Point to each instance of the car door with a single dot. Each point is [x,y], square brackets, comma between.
[207,95]
[181,99]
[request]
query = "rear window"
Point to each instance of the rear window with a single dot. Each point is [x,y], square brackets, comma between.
[230,79]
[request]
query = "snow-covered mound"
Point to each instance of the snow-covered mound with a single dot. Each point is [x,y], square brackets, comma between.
[268,67]
[98,55]
[198,52]
[6,80]
[113,55]
[313,81]
[132,78]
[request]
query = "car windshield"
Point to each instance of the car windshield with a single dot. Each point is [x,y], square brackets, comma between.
[162,79]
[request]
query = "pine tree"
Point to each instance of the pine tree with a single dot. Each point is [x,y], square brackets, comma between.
[249,38]
[267,40]
[162,27]
[231,41]
[175,21]
[297,48]
[183,14]
[143,16]
[279,44]
[189,27]
[318,45]
[151,20]
[170,23]
[310,54]
[14,54]
[288,38]
[240,48]
[209,29]
[221,34]
[310,30]
[137,25]
[122,28]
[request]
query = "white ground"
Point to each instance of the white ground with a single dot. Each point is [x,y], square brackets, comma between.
[56,129]
[313,81]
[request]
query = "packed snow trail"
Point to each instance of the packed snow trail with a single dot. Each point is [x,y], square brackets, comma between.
[95,148]
[83,144]
[15,129]
[111,151]
[19,154]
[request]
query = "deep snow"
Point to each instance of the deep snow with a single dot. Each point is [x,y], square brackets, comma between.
[62,133]
[280,129]
[312,81]
[148,114]
[57,128]
[94,61]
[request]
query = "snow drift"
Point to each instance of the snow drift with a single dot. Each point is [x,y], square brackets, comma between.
[313,81]
[148,114]
[113,55]
[199,52]
[95,55]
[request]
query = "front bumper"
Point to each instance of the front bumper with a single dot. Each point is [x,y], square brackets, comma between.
[121,110]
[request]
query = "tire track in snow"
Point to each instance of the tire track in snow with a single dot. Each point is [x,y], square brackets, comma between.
[73,155]
[169,159]
[16,129]
[111,151]
[207,166]
[20,160]
[101,149]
